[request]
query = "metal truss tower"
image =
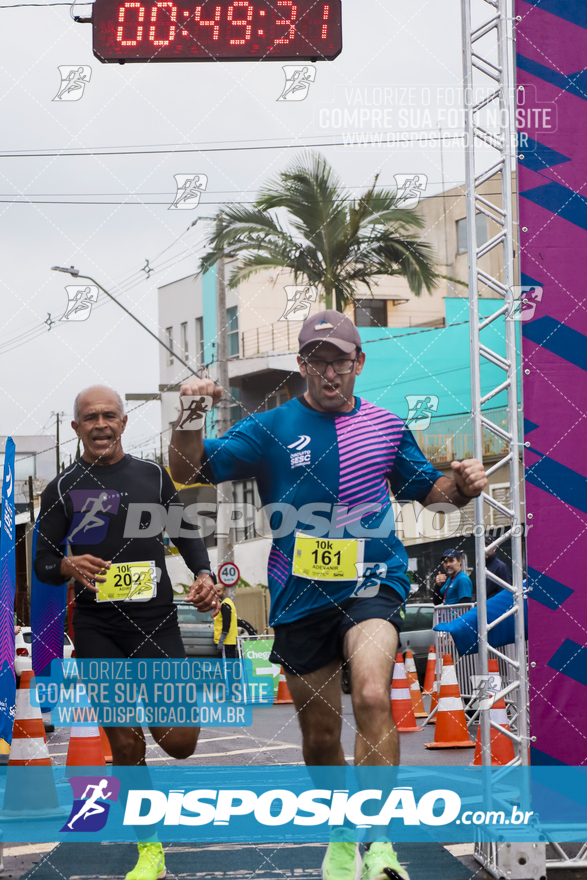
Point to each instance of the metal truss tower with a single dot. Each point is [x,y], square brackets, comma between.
[489,87]
[486,50]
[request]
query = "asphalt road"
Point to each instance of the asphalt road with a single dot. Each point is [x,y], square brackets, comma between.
[274,738]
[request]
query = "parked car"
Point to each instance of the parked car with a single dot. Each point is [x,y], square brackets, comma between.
[23,660]
[197,630]
[417,633]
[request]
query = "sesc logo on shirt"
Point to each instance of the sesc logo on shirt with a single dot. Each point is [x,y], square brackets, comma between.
[302,456]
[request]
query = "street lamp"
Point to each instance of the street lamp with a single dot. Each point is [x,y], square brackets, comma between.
[76,274]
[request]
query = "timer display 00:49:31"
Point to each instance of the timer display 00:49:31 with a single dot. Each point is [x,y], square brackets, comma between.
[130,30]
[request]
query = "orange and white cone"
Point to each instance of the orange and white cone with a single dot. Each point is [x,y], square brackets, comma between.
[106,747]
[502,748]
[29,744]
[433,702]
[430,676]
[283,694]
[451,724]
[85,747]
[415,693]
[23,797]
[401,700]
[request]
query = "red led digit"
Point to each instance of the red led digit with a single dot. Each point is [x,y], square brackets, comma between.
[245,23]
[121,22]
[214,24]
[325,14]
[290,21]
[172,28]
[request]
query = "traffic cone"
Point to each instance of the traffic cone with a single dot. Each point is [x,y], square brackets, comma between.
[33,796]
[433,702]
[401,700]
[430,676]
[283,694]
[502,748]
[451,725]
[106,747]
[85,748]
[412,677]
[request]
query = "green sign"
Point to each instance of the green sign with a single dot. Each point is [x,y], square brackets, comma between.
[257,652]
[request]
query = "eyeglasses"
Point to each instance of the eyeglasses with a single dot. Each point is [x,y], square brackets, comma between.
[341,366]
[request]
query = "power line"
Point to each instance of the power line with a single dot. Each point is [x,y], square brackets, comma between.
[96,152]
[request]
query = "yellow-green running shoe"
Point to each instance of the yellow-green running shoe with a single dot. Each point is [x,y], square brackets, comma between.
[381,863]
[151,863]
[343,859]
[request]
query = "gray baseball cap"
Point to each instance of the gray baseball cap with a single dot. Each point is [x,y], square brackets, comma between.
[330,326]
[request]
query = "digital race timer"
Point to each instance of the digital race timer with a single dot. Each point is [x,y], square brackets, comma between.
[182,30]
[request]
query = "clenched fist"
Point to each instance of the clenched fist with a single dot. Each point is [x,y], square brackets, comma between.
[470,476]
[201,388]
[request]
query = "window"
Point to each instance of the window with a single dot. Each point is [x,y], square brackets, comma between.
[25,465]
[276,399]
[501,493]
[371,312]
[236,410]
[169,340]
[232,331]
[184,341]
[481,229]
[200,342]
[245,492]
[461,519]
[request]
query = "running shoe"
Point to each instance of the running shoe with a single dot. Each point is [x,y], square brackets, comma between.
[151,863]
[343,859]
[381,863]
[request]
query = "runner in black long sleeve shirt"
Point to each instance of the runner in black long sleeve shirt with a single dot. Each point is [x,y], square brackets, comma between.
[94,509]
[108,490]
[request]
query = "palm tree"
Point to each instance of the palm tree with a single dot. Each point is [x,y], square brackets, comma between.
[305,220]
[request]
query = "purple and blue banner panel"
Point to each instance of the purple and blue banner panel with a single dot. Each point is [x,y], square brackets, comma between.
[295,804]
[551,44]
[7,588]
[47,619]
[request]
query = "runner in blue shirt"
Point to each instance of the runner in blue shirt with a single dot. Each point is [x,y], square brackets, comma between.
[456,585]
[325,464]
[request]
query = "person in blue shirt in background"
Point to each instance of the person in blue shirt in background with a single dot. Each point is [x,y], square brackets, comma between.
[455,585]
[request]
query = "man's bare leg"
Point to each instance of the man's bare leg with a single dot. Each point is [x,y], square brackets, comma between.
[370,648]
[129,746]
[317,698]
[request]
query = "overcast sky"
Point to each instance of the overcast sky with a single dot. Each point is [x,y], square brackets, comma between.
[386,43]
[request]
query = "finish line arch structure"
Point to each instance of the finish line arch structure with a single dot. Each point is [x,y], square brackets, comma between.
[531,53]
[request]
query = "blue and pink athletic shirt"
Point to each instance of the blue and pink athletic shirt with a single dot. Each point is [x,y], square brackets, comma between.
[341,464]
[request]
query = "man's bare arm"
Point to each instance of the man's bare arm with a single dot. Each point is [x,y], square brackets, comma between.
[469,476]
[186,449]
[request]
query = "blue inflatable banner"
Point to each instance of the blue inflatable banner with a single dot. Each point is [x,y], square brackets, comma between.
[7,588]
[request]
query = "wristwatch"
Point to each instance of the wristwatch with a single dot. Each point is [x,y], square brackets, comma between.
[464,494]
[207,571]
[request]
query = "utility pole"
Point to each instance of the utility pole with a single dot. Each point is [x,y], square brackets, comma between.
[57,450]
[224,491]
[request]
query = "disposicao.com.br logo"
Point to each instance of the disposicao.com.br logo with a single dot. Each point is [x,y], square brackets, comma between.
[312,807]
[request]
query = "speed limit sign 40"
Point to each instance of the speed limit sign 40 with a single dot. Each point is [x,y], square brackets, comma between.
[228,574]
